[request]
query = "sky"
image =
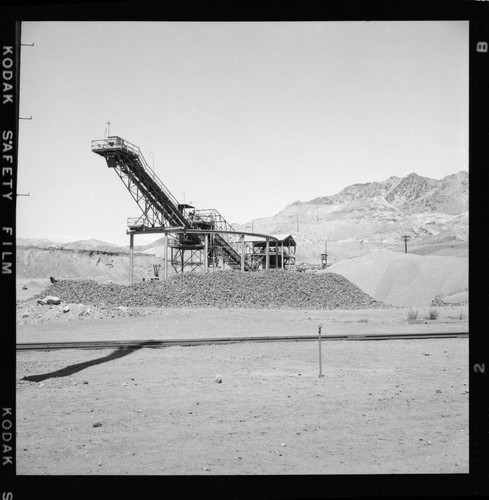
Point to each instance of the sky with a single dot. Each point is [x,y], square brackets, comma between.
[242,117]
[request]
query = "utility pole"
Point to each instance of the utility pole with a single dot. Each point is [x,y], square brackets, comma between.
[320,356]
[405,238]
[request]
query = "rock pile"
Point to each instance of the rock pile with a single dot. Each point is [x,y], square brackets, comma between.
[226,289]
[49,300]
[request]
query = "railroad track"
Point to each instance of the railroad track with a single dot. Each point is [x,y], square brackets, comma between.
[138,344]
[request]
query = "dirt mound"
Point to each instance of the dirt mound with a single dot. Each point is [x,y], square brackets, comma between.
[405,279]
[69,263]
[455,249]
[457,298]
[225,289]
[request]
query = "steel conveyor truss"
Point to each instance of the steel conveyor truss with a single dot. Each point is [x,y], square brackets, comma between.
[159,207]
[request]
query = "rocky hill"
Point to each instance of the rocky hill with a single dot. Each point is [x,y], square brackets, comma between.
[93,259]
[90,245]
[365,217]
[411,194]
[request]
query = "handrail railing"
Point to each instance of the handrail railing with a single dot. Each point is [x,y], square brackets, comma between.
[117,143]
[212,215]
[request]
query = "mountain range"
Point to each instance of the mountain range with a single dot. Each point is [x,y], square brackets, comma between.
[356,221]
[411,194]
[375,215]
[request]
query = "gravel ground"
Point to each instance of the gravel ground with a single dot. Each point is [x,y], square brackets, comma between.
[50,324]
[381,408]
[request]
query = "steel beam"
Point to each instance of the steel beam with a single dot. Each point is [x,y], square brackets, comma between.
[131,257]
[165,254]
[242,252]
[206,252]
[267,254]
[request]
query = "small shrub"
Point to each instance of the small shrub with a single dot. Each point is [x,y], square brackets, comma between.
[412,314]
[433,314]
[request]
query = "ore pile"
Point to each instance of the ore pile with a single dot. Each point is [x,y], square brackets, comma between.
[226,289]
[272,289]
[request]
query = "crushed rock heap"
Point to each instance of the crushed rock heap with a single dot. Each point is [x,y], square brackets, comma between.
[273,289]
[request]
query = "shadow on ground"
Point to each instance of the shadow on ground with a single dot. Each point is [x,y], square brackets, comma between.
[70,370]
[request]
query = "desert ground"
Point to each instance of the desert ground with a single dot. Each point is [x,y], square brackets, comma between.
[382,407]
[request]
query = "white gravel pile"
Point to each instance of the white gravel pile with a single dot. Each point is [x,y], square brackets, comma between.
[401,279]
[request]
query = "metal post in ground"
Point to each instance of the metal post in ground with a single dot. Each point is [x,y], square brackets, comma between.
[267,254]
[206,252]
[320,356]
[131,257]
[165,254]
[242,252]
[405,238]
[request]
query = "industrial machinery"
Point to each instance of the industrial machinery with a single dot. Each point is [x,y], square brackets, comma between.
[199,238]
[324,256]
[156,270]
